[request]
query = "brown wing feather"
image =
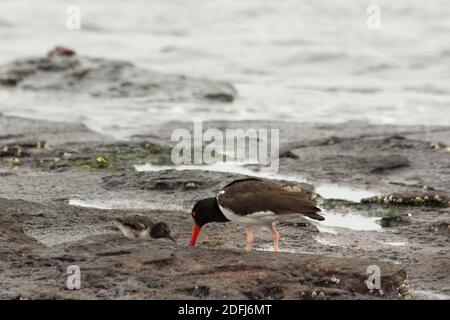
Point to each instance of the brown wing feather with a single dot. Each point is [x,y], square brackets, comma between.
[241,181]
[253,195]
[136,222]
[258,185]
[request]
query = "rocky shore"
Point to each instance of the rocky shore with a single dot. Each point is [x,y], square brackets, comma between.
[102,78]
[62,185]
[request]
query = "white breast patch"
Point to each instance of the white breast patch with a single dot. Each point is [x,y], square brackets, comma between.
[131,233]
[253,219]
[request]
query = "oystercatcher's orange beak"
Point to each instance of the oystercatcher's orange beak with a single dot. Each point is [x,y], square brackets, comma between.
[195,233]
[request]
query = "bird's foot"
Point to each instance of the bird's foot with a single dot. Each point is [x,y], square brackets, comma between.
[276,248]
[249,246]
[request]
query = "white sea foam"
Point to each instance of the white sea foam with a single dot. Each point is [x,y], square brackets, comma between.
[290,60]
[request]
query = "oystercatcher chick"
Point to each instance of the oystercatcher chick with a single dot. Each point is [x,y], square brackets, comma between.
[139,226]
[253,202]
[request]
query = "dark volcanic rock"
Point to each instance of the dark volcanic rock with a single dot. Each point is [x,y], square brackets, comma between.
[108,78]
[61,52]
[346,153]
[383,163]
[183,180]
[29,133]
[42,236]
[422,198]
[441,227]
[113,266]
[168,180]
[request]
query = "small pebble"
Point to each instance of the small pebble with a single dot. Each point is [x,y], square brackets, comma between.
[14,161]
[335,280]
[191,185]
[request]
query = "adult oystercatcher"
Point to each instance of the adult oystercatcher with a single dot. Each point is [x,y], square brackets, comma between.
[253,202]
[139,226]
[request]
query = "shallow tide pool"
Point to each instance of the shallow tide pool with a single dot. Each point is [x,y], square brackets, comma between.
[332,220]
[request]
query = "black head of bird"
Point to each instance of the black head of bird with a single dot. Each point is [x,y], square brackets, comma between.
[161,230]
[205,211]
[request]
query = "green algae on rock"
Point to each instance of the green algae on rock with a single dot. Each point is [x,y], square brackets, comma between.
[393,218]
[113,158]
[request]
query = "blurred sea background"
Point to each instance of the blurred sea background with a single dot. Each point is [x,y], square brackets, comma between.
[291,60]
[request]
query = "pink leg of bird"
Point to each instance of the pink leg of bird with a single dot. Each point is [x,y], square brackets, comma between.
[276,238]
[249,240]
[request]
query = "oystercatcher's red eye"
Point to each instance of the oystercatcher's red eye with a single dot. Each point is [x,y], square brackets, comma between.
[194,213]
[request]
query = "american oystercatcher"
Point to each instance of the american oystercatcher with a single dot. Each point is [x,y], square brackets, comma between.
[139,226]
[253,202]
